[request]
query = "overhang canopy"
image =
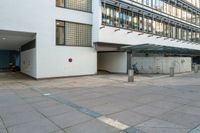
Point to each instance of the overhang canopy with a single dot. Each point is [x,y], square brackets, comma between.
[158,49]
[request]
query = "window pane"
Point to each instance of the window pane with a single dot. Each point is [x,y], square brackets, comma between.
[78,34]
[60,33]
[84,5]
[60,3]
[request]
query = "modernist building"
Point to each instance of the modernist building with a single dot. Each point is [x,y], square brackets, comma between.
[57,38]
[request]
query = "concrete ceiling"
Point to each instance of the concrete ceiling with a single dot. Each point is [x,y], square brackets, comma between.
[13,40]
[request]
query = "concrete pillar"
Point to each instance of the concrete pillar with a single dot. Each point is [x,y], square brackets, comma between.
[196,68]
[171,72]
[130,75]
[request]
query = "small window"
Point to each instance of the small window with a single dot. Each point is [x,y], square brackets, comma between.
[60,33]
[60,3]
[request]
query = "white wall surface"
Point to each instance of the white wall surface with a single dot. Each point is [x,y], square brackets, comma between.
[40,17]
[162,64]
[109,35]
[28,62]
[115,62]
[57,64]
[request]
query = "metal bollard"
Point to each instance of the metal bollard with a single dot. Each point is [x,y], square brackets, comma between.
[196,68]
[171,73]
[130,75]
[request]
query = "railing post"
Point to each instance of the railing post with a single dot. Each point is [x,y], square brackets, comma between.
[196,68]
[171,72]
[130,75]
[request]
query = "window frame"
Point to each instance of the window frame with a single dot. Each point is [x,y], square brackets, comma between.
[65,43]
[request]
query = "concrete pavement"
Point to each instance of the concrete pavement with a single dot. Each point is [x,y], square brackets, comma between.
[100,104]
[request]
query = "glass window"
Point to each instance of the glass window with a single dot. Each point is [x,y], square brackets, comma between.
[178,12]
[135,22]
[125,18]
[184,34]
[184,14]
[173,32]
[78,34]
[189,16]
[149,25]
[145,24]
[73,34]
[60,33]
[193,18]
[141,23]
[60,3]
[178,33]
[197,37]
[154,27]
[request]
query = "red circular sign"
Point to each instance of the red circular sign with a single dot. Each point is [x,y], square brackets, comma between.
[70,60]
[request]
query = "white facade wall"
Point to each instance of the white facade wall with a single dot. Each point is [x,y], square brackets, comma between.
[40,17]
[161,65]
[28,62]
[115,62]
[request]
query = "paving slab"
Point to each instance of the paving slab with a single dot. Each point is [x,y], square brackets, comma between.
[149,110]
[9,110]
[40,126]
[160,126]
[45,104]
[59,131]
[3,130]
[189,121]
[93,126]
[189,110]
[21,118]
[70,119]
[107,109]
[1,124]
[129,117]
[35,99]
[166,105]
[55,110]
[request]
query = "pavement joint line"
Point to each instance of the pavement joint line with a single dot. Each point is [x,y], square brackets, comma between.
[113,123]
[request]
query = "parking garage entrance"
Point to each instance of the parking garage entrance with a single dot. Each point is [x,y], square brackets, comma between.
[13,45]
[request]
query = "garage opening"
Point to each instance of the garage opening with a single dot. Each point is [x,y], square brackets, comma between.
[12,47]
[110,60]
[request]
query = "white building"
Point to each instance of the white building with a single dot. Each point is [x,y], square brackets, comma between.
[58,38]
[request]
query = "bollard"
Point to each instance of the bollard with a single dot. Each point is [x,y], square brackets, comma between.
[171,73]
[130,75]
[196,68]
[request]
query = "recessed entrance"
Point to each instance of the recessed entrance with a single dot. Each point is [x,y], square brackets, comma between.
[12,46]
